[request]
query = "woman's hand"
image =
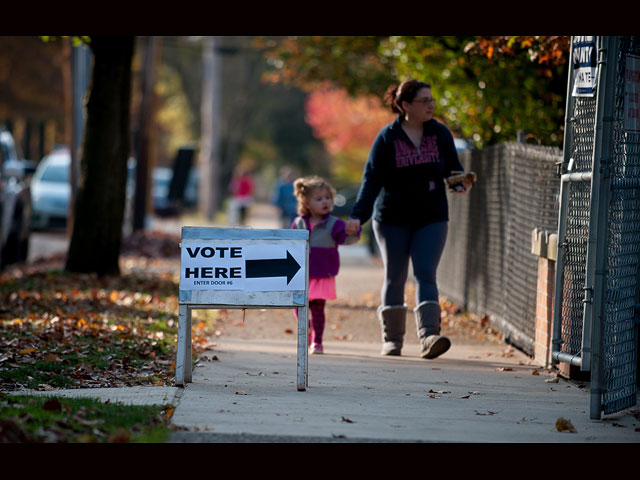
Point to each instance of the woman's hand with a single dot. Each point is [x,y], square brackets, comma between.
[352,226]
[466,184]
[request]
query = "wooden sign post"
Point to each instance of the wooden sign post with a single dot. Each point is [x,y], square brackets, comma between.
[224,268]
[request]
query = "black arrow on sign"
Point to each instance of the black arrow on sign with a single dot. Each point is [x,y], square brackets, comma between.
[273,267]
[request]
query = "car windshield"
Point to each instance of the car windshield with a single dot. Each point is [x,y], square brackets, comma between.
[56,174]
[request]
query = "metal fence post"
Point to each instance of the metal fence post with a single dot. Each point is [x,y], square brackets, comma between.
[556,343]
[600,187]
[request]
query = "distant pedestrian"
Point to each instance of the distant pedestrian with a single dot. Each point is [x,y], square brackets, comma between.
[315,203]
[241,189]
[405,172]
[284,198]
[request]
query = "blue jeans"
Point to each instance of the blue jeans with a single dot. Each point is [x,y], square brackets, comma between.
[424,246]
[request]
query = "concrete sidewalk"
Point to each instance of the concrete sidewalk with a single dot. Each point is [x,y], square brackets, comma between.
[471,394]
[245,391]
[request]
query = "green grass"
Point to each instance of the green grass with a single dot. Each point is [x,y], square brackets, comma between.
[44,419]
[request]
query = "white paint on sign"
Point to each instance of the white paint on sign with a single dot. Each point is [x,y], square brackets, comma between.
[244,265]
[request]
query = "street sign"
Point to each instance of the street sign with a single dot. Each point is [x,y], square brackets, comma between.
[585,65]
[242,268]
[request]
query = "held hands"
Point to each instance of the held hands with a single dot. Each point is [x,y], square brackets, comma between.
[352,226]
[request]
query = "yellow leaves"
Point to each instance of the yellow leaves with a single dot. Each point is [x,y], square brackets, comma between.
[565,425]
[490,50]
[113,296]
[168,413]
[26,351]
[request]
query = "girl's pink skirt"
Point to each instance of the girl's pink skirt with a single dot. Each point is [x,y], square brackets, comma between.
[322,288]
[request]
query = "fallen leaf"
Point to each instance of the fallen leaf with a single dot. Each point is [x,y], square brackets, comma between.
[50,357]
[535,372]
[26,351]
[565,425]
[504,369]
[346,420]
[552,380]
[241,393]
[437,391]
[121,436]
[52,405]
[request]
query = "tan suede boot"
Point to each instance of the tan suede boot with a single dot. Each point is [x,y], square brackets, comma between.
[428,326]
[393,324]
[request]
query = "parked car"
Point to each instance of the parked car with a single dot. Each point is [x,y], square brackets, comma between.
[15,202]
[50,189]
[163,204]
[161,180]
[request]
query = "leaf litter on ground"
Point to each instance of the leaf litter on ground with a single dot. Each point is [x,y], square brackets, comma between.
[68,330]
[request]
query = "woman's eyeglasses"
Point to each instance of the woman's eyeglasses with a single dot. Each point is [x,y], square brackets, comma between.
[425,100]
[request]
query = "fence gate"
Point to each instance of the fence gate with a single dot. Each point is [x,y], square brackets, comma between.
[597,270]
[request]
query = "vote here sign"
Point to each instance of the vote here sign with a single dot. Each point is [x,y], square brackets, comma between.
[238,259]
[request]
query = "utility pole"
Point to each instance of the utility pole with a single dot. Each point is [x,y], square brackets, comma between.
[78,74]
[145,141]
[209,161]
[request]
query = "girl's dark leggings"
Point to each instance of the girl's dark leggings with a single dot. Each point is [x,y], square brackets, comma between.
[398,244]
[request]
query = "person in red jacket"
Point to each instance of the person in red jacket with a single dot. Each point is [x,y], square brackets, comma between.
[241,189]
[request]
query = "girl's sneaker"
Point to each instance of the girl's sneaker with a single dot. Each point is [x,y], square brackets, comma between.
[316,348]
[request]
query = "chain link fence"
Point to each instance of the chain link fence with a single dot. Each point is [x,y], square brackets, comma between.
[487,266]
[620,343]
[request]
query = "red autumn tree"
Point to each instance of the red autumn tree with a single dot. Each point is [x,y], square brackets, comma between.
[347,125]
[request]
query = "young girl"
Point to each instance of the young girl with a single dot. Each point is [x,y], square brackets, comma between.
[326,232]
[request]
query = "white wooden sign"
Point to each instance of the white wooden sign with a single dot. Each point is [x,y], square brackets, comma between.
[242,268]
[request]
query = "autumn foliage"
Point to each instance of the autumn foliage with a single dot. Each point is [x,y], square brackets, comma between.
[550,49]
[347,125]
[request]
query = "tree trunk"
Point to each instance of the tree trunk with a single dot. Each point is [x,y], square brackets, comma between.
[99,209]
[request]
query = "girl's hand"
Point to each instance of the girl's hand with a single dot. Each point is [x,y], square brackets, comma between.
[352,226]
